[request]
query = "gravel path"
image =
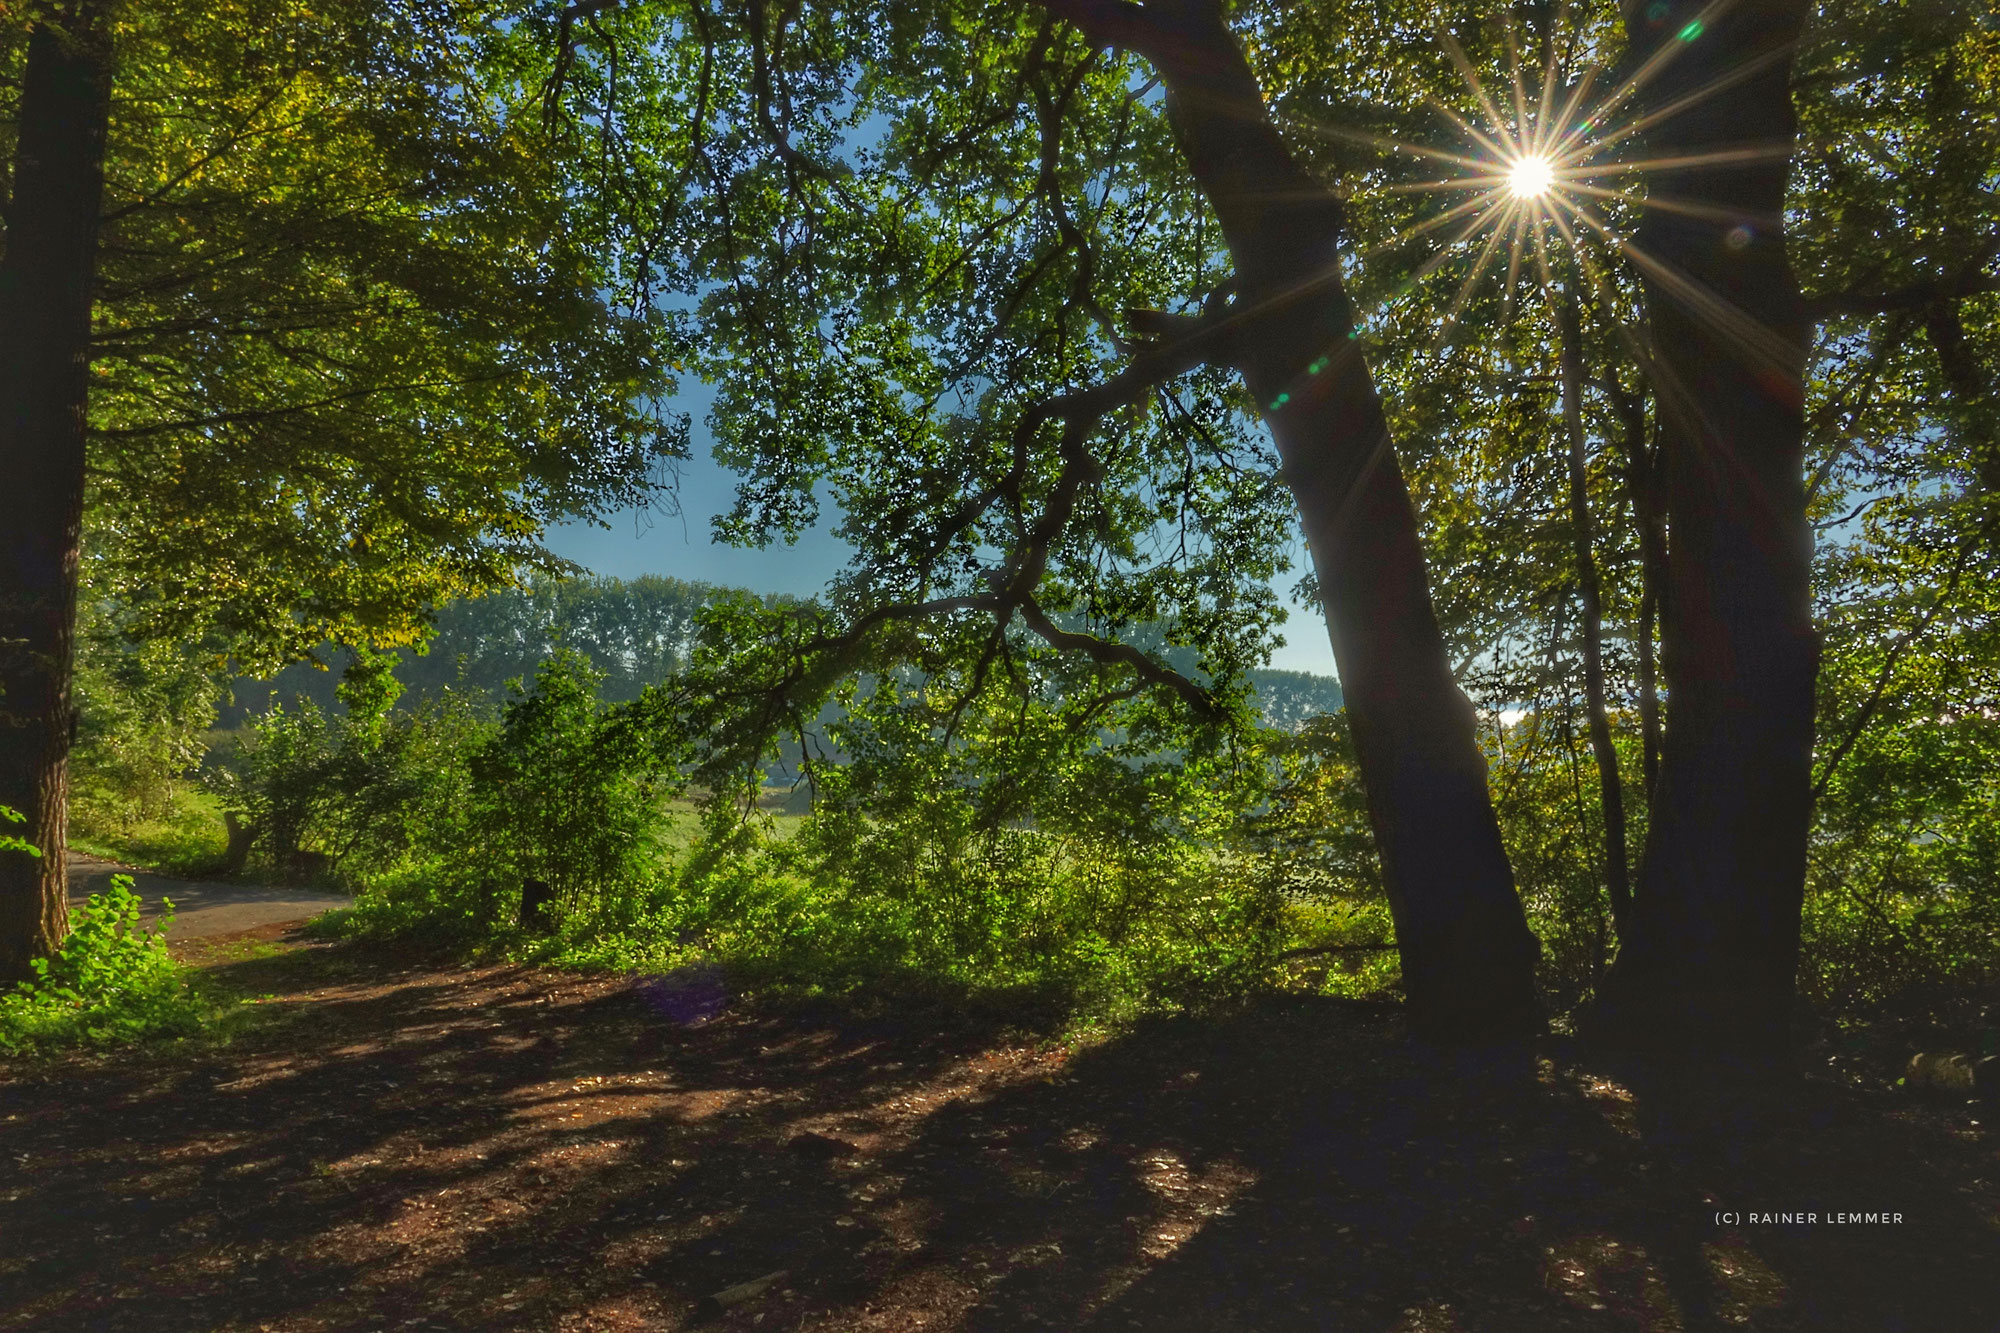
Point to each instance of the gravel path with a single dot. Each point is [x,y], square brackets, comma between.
[202,909]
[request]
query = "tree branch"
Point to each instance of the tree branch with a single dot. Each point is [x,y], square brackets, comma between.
[1973,280]
[566,21]
[1130,27]
[777,128]
[1113,653]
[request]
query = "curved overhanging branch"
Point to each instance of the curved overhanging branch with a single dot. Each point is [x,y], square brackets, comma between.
[1015,584]
[1179,42]
[1202,340]
[1110,652]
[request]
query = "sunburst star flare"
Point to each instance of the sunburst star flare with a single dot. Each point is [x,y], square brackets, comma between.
[1530,177]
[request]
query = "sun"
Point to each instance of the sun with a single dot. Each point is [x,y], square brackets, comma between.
[1531,177]
[1542,185]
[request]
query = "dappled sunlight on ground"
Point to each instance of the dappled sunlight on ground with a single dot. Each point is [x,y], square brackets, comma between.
[405,1146]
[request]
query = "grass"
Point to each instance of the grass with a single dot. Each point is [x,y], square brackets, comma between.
[188,840]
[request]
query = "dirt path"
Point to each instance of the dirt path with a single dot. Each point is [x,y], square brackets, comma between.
[406,1146]
[201,909]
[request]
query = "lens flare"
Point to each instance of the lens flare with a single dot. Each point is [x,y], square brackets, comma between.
[1531,177]
[1544,173]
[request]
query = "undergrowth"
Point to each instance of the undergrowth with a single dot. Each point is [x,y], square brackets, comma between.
[925,874]
[111,984]
[184,836]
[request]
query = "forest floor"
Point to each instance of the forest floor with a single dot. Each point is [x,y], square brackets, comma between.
[399,1143]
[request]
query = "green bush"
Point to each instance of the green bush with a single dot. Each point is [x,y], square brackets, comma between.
[189,840]
[143,713]
[111,983]
[1902,903]
[1312,843]
[281,783]
[452,813]
[566,792]
[356,796]
[986,856]
[1035,922]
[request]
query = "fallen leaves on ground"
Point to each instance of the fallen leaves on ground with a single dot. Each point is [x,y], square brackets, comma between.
[409,1145]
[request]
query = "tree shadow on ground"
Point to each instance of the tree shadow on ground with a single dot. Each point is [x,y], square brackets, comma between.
[494,1147]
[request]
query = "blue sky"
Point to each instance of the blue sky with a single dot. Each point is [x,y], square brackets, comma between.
[641,542]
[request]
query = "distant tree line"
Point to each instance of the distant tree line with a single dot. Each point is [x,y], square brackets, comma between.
[635,632]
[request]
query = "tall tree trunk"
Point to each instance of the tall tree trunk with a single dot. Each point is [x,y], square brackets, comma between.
[1467,953]
[1711,959]
[1642,486]
[1611,792]
[46,278]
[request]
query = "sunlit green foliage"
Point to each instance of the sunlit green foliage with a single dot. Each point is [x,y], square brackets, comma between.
[1898,223]
[1891,221]
[144,709]
[113,983]
[351,347]
[10,842]
[566,792]
[890,261]
[351,794]
[1029,861]
[1905,868]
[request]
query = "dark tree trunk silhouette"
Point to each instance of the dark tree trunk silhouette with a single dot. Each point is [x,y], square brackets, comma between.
[46,278]
[1467,953]
[537,911]
[1710,962]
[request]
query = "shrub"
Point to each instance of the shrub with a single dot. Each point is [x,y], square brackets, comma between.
[562,790]
[282,781]
[1001,858]
[565,791]
[1043,924]
[143,713]
[111,983]
[357,794]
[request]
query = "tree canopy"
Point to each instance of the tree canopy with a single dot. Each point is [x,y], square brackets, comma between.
[1075,311]
[955,269]
[353,349]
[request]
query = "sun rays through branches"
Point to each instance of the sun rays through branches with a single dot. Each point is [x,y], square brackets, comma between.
[1542,182]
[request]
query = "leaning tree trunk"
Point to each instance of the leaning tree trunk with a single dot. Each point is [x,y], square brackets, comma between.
[1590,598]
[1467,953]
[46,278]
[1711,958]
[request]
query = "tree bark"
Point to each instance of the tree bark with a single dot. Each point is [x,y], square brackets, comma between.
[1710,963]
[1642,486]
[46,279]
[1611,792]
[1468,956]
